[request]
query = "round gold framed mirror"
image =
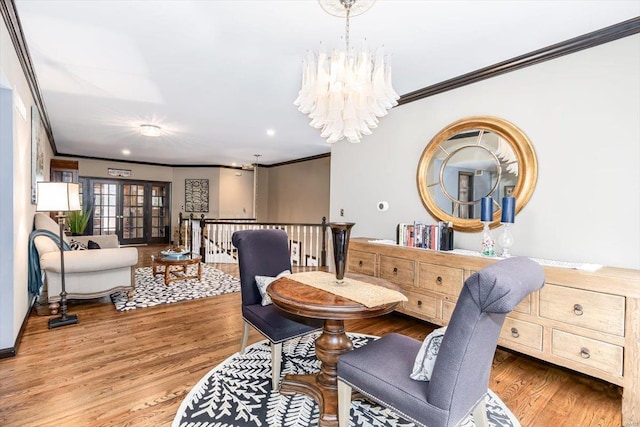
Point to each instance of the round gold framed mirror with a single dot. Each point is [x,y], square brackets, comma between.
[473,158]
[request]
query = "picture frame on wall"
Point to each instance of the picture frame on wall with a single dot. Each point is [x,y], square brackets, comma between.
[37,152]
[294,251]
[196,195]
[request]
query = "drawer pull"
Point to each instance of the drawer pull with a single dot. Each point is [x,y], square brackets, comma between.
[419,303]
[515,333]
[395,270]
[577,310]
[360,263]
[439,280]
[585,353]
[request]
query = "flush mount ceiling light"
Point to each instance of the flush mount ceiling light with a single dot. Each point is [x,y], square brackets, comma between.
[344,93]
[150,130]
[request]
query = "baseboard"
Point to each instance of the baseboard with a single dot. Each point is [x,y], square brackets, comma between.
[13,351]
[5,353]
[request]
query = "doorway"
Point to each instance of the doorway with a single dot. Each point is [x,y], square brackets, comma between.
[465,194]
[138,212]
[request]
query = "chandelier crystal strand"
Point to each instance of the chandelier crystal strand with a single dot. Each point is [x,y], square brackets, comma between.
[345,93]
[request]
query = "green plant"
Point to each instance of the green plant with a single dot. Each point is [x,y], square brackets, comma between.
[78,220]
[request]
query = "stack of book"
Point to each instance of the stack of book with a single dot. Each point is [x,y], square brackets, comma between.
[437,237]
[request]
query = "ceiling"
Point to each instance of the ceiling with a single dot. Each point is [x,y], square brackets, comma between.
[215,75]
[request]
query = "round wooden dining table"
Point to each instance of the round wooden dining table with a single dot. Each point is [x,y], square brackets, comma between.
[306,301]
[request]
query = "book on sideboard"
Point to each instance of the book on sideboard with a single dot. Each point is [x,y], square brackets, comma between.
[437,237]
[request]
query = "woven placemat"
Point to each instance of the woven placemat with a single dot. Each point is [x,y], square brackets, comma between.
[364,293]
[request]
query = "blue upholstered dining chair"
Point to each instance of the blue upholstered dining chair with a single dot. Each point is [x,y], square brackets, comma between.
[460,377]
[266,253]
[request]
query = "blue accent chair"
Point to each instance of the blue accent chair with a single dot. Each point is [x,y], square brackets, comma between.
[266,253]
[460,378]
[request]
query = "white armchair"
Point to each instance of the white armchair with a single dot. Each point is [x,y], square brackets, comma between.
[88,273]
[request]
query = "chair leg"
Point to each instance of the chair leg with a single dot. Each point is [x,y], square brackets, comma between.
[480,414]
[245,337]
[344,403]
[276,361]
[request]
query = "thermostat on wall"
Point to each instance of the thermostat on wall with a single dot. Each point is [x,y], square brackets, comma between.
[383,206]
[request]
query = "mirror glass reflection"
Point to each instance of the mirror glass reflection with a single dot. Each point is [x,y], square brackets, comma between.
[468,166]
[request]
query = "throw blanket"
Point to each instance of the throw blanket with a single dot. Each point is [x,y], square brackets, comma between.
[35,273]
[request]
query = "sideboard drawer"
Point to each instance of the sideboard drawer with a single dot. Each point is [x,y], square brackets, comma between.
[523,333]
[592,310]
[586,351]
[524,306]
[447,310]
[420,304]
[362,262]
[438,278]
[397,270]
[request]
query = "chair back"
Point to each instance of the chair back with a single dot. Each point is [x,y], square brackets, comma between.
[460,375]
[260,253]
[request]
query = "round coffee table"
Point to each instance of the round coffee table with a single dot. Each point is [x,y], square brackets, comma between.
[302,300]
[181,261]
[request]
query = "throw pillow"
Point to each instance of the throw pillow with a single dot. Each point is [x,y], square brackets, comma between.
[426,358]
[264,281]
[92,245]
[77,246]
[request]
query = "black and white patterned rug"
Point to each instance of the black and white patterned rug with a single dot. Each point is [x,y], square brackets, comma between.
[238,393]
[151,291]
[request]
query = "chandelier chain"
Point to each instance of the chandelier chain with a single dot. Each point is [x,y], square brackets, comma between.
[347,28]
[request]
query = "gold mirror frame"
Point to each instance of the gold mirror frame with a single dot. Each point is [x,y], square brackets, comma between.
[527,164]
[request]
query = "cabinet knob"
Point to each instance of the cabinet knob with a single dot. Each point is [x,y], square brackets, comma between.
[395,270]
[515,333]
[419,303]
[360,263]
[577,310]
[439,280]
[585,353]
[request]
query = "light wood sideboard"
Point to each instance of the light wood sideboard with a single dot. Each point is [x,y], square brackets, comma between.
[585,321]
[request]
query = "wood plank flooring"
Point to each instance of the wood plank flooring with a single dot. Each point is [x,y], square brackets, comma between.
[135,368]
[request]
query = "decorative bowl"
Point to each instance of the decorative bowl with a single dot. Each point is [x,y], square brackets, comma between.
[173,253]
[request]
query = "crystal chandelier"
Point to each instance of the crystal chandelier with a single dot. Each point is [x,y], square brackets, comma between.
[345,93]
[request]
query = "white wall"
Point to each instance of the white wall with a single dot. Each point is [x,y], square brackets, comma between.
[16,210]
[177,191]
[299,192]
[100,169]
[7,324]
[582,115]
[236,193]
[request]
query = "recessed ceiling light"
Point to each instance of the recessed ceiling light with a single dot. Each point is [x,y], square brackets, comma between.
[150,130]
[234,164]
[271,132]
[126,152]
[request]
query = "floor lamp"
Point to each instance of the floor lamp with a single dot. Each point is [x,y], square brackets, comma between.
[60,197]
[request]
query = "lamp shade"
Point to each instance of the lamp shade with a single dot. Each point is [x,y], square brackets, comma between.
[58,196]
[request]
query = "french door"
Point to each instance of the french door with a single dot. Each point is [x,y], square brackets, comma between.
[137,212]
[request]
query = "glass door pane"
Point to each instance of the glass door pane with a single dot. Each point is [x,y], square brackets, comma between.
[159,212]
[133,213]
[104,208]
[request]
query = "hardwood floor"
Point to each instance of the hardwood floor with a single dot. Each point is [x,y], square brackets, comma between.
[135,368]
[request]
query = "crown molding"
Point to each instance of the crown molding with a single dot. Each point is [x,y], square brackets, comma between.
[168,165]
[12,21]
[586,41]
